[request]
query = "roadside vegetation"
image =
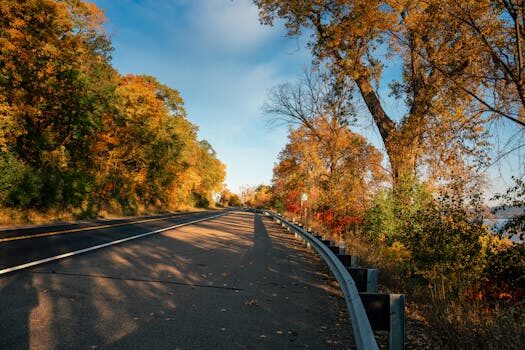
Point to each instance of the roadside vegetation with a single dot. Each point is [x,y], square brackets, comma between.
[77,139]
[414,208]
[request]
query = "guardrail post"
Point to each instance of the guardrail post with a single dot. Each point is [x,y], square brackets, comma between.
[334,249]
[326,242]
[348,260]
[396,337]
[341,247]
[365,279]
[386,312]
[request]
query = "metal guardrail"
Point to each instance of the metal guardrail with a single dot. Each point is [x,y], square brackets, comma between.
[363,334]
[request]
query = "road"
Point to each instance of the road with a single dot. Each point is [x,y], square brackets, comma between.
[21,246]
[237,281]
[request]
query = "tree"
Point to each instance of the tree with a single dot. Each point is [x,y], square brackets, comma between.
[135,151]
[356,38]
[149,153]
[55,84]
[235,201]
[210,171]
[337,168]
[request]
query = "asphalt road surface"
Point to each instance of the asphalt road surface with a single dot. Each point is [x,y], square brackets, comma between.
[21,246]
[237,281]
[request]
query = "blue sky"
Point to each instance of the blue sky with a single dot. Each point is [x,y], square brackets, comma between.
[222,61]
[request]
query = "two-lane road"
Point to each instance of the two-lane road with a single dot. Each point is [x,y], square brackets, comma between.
[237,281]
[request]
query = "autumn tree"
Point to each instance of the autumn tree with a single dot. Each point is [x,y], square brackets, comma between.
[55,84]
[358,38]
[149,153]
[494,58]
[337,168]
[211,173]
[225,197]
[134,151]
[75,135]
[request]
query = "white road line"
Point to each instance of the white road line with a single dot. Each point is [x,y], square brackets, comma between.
[77,252]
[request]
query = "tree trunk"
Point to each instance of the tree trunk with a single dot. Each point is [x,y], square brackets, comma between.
[402,142]
[403,149]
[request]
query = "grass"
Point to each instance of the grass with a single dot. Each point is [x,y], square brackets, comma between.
[11,217]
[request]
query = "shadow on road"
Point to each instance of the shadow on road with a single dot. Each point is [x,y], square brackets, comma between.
[18,297]
[235,282]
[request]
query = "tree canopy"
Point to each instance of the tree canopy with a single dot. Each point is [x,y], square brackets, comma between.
[459,64]
[75,134]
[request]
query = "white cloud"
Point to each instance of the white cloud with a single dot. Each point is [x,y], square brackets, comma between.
[228,26]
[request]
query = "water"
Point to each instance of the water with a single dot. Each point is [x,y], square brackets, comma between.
[496,224]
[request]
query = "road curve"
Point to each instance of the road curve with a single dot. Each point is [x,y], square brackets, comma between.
[233,282]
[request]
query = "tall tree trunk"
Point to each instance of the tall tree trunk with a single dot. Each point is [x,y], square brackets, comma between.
[403,149]
[402,142]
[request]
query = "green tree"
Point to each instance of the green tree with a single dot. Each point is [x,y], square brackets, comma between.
[55,84]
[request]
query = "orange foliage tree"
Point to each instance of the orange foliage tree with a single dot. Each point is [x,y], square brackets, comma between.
[77,136]
[337,168]
[358,38]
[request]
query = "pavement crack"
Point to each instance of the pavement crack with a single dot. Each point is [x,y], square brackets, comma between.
[133,279]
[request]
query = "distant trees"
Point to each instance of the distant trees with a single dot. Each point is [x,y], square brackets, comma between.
[260,196]
[335,167]
[74,134]
[229,199]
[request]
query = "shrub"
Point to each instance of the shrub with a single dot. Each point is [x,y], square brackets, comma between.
[20,186]
[506,268]
[436,235]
